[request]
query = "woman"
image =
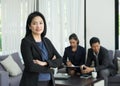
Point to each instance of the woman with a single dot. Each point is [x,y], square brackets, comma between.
[74,55]
[38,53]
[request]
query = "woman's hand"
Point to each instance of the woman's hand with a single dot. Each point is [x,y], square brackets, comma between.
[41,63]
[54,57]
[69,64]
[87,69]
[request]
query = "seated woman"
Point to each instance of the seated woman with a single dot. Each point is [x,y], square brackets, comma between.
[74,55]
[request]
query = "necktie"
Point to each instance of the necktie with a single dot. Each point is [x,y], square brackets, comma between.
[96,57]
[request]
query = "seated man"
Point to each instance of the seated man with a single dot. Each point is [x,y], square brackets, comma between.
[74,55]
[102,63]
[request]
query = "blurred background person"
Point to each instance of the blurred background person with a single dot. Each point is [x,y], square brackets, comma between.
[74,55]
[99,55]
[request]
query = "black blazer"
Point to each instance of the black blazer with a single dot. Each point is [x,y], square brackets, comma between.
[30,51]
[77,58]
[103,60]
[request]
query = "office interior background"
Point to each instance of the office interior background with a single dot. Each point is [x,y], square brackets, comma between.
[86,18]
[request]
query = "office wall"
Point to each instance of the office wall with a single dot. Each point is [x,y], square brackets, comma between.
[100,21]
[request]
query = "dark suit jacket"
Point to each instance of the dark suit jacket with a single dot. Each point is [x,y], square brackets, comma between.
[77,58]
[103,60]
[30,51]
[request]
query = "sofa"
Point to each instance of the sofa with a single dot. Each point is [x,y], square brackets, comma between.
[5,78]
[114,80]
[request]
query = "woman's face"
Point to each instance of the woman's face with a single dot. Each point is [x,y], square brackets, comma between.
[37,25]
[73,43]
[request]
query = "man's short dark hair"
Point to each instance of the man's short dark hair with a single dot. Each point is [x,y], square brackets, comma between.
[94,40]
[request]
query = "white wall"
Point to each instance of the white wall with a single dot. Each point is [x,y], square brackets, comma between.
[100,18]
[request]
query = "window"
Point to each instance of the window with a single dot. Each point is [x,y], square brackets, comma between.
[14,14]
[119,24]
[0,29]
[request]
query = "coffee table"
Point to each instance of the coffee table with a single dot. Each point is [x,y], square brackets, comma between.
[75,81]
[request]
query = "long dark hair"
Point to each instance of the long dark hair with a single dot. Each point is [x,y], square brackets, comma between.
[74,36]
[29,20]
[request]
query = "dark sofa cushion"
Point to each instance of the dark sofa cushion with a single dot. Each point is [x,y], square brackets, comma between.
[114,79]
[3,57]
[1,68]
[14,81]
[111,54]
[117,54]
